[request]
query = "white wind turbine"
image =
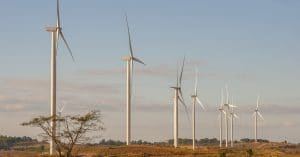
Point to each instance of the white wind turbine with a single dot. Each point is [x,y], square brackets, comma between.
[227,106]
[129,59]
[178,97]
[221,109]
[232,116]
[59,114]
[256,112]
[194,100]
[56,32]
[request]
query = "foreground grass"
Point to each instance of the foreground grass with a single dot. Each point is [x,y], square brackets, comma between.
[240,150]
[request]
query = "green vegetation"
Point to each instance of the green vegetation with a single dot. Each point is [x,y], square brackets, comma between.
[8,142]
[252,140]
[250,153]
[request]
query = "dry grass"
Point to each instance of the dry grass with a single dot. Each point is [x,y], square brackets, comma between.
[259,149]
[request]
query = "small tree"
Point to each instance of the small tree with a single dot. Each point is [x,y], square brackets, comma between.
[222,154]
[74,129]
[249,152]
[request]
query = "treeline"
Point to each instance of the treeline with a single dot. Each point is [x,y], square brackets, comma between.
[168,142]
[247,140]
[118,143]
[204,141]
[7,142]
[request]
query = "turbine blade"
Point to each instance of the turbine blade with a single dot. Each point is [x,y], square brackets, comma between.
[181,73]
[180,94]
[59,107]
[62,108]
[200,103]
[66,43]
[196,81]
[129,37]
[222,98]
[177,77]
[224,112]
[260,115]
[227,94]
[236,116]
[232,106]
[138,60]
[57,11]
[257,101]
[185,108]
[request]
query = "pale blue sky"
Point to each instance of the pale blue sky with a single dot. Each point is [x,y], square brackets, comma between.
[250,45]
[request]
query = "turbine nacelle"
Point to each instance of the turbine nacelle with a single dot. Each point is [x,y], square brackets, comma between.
[130,58]
[51,29]
[176,88]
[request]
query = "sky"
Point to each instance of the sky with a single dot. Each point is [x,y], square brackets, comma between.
[252,46]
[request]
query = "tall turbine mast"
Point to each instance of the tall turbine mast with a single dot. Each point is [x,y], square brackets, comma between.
[178,97]
[221,109]
[194,100]
[129,61]
[232,116]
[226,115]
[56,32]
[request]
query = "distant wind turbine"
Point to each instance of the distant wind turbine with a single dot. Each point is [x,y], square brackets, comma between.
[178,97]
[232,116]
[59,114]
[129,59]
[221,109]
[256,112]
[194,100]
[227,106]
[56,32]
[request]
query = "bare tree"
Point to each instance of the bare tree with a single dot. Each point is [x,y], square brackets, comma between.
[74,129]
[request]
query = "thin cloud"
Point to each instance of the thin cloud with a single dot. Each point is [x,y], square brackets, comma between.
[33,95]
[162,70]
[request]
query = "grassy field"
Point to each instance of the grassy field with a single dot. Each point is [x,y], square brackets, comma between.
[240,150]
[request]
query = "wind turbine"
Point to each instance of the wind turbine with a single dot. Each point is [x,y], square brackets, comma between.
[194,100]
[56,33]
[221,109]
[256,112]
[59,114]
[129,60]
[178,97]
[227,107]
[232,116]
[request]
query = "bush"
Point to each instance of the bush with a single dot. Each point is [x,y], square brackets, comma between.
[250,153]
[222,154]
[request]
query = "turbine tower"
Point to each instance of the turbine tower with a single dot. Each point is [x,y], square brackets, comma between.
[194,100]
[221,109]
[129,61]
[56,33]
[178,97]
[256,112]
[232,116]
